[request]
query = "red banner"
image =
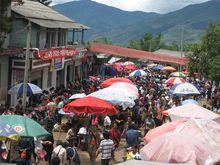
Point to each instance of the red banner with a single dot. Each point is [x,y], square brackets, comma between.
[53,53]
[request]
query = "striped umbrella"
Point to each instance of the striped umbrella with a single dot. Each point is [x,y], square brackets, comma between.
[175,80]
[31,89]
[138,73]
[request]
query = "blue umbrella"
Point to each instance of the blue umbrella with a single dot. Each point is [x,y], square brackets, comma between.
[6,131]
[31,89]
[190,101]
[158,67]
[138,73]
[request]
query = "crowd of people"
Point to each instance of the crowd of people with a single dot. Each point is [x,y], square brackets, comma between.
[103,134]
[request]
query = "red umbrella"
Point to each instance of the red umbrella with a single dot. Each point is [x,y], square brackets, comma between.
[90,105]
[118,66]
[111,81]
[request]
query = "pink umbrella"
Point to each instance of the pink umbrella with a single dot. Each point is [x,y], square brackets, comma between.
[205,130]
[165,128]
[177,148]
[191,111]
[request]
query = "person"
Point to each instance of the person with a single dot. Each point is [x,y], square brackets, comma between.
[47,143]
[59,152]
[120,119]
[106,147]
[70,135]
[25,150]
[107,122]
[93,142]
[132,136]
[38,150]
[73,156]
[149,123]
[115,136]
[49,122]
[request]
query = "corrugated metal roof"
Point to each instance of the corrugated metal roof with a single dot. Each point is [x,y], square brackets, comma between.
[44,15]
[137,54]
[56,24]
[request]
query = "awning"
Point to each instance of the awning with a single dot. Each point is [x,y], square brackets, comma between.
[57,24]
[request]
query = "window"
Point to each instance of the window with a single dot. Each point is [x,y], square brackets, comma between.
[50,39]
[53,39]
[38,40]
[47,40]
[61,38]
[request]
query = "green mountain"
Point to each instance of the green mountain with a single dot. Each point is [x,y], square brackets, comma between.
[122,26]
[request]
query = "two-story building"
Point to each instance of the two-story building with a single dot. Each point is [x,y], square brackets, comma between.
[5,14]
[52,61]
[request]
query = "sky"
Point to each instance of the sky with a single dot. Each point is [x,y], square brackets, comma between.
[159,6]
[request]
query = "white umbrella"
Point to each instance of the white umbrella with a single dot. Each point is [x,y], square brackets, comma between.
[138,73]
[77,96]
[186,89]
[116,96]
[130,89]
[31,89]
[128,63]
[64,113]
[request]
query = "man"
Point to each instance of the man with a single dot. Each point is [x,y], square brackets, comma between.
[107,122]
[73,156]
[59,153]
[132,136]
[106,148]
[149,123]
[49,122]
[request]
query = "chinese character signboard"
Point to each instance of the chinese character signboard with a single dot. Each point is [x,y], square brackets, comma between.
[56,53]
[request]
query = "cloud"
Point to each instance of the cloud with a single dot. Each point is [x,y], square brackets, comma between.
[159,6]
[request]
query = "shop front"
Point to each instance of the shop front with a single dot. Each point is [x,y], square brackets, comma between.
[49,68]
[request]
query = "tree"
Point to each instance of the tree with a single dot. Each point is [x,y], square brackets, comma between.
[206,56]
[148,42]
[134,44]
[45,2]
[103,40]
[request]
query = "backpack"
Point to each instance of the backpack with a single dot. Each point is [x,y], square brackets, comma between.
[56,160]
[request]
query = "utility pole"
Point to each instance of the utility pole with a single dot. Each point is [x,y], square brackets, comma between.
[181,45]
[26,67]
[150,45]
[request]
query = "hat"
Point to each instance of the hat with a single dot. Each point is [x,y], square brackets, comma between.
[129,149]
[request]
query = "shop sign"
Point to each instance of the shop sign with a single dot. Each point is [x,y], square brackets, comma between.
[57,64]
[56,53]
